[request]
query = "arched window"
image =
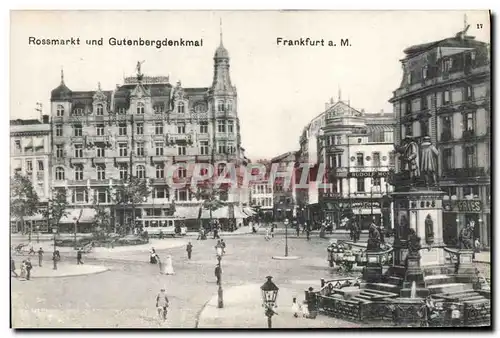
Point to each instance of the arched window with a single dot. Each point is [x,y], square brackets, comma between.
[100,109]
[140,108]
[180,108]
[101,172]
[160,171]
[59,174]
[229,105]
[220,106]
[79,173]
[140,171]
[60,110]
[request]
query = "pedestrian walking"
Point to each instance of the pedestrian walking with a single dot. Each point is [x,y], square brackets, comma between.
[31,250]
[23,269]
[13,268]
[169,268]
[28,269]
[189,249]
[295,307]
[40,256]
[297,229]
[308,231]
[223,246]
[218,273]
[268,234]
[79,257]
[153,257]
[162,304]
[272,230]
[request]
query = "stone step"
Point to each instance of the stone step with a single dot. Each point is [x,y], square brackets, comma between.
[479,301]
[364,296]
[448,287]
[362,300]
[383,287]
[395,280]
[454,293]
[437,279]
[379,292]
[470,298]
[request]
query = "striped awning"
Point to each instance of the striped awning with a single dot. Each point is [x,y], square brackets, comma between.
[187,212]
[39,143]
[380,128]
[87,215]
[27,143]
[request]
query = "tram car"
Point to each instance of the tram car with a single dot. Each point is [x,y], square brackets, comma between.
[163,225]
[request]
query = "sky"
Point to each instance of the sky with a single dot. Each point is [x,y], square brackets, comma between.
[280,88]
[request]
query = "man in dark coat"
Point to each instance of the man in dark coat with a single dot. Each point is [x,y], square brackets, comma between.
[79,257]
[218,273]
[40,257]
[189,249]
[13,267]
[28,269]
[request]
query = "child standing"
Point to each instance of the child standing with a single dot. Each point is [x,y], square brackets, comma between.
[295,307]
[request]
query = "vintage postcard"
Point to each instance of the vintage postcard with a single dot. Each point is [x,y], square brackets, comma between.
[250,169]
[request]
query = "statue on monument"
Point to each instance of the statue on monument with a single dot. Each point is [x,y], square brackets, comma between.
[138,68]
[413,243]
[373,238]
[466,236]
[410,153]
[402,229]
[428,164]
[429,230]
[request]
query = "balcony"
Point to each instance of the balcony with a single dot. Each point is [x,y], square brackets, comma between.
[158,158]
[468,134]
[78,160]
[98,139]
[446,136]
[59,160]
[76,139]
[122,159]
[464,173]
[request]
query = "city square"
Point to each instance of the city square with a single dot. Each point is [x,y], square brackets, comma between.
[142,199]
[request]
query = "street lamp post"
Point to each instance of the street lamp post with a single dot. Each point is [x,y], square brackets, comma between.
[54,257]
[38,234]
[286,237]
[220,293]
[269,295]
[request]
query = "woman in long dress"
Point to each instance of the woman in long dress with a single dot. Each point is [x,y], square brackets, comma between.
[169,269]
[23,270]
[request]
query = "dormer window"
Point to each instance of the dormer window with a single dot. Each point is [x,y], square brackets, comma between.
[425,72]
[140,108]
[78,112]
[220,106]
[100,109]
[60,110]
[180,108]
[446,97]
[447,65]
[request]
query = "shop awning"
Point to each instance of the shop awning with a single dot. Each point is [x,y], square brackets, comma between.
[39,142]
[27,143]
[249,211]
[187,212]
[238,213]
[36,217]
[87,215]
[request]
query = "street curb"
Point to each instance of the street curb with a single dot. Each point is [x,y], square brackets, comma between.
[76,275]
[484,262]
[198,314]
[283,258]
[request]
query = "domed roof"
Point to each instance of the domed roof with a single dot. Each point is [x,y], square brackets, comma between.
[221,52]
[62,92]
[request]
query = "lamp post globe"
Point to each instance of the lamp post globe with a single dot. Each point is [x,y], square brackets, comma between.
[269,295]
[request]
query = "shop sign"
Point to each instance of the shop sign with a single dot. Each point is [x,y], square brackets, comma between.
[469,206]
[360,174]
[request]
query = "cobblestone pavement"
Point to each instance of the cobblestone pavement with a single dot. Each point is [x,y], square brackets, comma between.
[125,295]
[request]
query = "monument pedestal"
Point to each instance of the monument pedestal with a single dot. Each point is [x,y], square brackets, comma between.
[372,272]
[465,272]
[414,275]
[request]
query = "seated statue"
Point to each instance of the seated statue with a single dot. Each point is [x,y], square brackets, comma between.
[373,238]
[466,237]
[413,243]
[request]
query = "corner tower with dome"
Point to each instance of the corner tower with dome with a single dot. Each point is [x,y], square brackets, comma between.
[102,138]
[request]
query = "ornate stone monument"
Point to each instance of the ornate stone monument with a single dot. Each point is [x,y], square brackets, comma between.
[418,215]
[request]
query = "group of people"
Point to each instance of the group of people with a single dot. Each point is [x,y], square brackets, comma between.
[166,268]
[26,267]
[308,307]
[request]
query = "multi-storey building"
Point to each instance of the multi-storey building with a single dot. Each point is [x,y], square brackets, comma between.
[284,192]
[356,151]
[445,94]
[30,156]
[261,195]
[141,128]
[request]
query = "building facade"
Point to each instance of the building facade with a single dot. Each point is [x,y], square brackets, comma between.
[262,199]
[285,193]
[102,138]
[30,156]
[356,151]
[445,94]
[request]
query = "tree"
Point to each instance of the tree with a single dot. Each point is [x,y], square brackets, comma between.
[209,196]
[101,218]
[131,193]
[24,199]
[57,207]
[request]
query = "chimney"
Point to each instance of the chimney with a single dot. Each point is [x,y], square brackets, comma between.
[327,105]
[381,112]
[45,119]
